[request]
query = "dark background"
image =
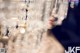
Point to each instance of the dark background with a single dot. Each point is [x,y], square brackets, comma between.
[69,32]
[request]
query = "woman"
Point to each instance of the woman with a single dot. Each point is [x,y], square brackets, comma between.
[33,35]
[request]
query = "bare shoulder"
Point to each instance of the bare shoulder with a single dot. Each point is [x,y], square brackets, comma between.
[52,45]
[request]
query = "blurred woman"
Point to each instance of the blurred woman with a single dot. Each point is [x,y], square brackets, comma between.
[33,34]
